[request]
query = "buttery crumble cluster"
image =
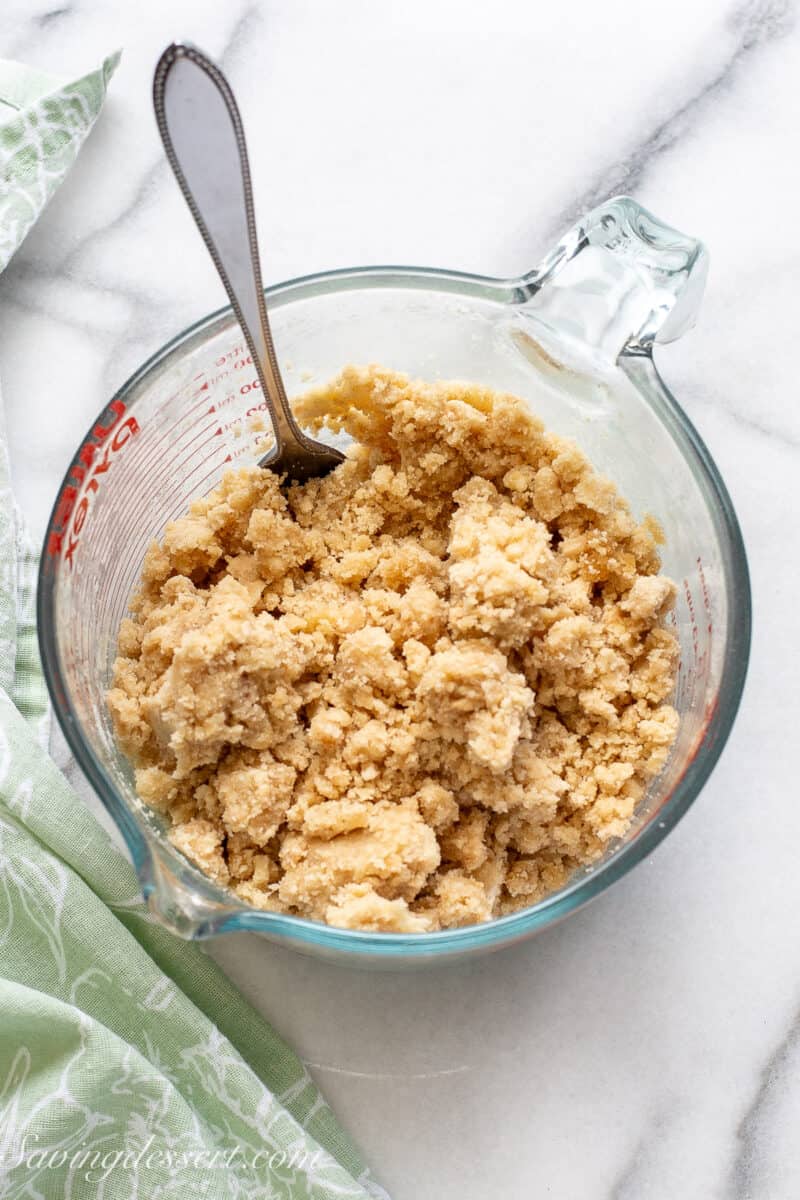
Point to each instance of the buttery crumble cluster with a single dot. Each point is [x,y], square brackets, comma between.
[417,693]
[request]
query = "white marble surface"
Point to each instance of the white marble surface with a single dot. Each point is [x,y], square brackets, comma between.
[650,1046]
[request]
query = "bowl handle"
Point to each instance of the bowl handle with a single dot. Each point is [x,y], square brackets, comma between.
[617,282]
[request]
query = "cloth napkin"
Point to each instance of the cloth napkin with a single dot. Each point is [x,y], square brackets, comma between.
[130,1067]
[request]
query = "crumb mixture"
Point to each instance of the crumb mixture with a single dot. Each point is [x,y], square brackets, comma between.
[415,694]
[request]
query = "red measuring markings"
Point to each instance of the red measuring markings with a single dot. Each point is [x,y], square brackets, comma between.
[700,655]
[151,458]
[218,377]
[234,424]
[182,487]
[111,433]
[236,352]
[199,486]
[157,480]
[705,593]
[689,681]
[687,591]
[140,516]
[170,464]
[223,403]
[167,463]
[201,402]
[257,408]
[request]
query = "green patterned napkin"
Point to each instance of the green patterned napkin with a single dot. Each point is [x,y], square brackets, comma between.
[130,1067]
[43,123]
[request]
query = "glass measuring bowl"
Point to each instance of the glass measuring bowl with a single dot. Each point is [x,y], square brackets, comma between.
[574,339]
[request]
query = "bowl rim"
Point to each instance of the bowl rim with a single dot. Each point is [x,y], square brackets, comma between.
[225,912]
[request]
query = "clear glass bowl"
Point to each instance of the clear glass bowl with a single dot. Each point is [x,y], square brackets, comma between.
[574,339]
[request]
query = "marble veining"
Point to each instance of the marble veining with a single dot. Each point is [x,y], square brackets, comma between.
[754,24]
[750,1168]
[649,1047]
